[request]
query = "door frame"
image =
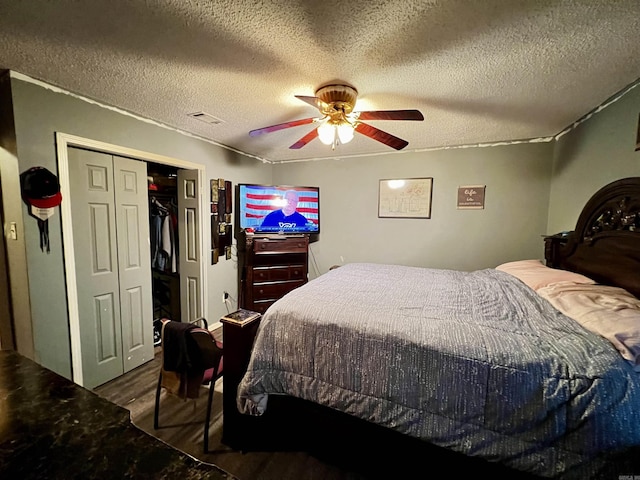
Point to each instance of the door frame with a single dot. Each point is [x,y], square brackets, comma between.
[63,142]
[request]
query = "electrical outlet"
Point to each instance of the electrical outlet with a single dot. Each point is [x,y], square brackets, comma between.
[225,297]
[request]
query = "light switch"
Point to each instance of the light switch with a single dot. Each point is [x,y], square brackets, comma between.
[13,231]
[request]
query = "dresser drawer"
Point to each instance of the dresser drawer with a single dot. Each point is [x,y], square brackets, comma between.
[262,305]
[271,267]
[267,291]
[290,245]
[278,273]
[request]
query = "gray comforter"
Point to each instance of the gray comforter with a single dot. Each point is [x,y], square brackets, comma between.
[473,361]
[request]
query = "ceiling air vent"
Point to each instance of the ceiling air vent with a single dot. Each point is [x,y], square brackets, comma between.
[206,118]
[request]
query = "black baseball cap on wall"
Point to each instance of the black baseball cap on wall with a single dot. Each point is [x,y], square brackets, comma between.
[40,188]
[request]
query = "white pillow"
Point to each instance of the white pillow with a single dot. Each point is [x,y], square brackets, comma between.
[611,312]
[536,275]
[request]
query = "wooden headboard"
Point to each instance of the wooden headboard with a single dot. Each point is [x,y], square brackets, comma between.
[605,244]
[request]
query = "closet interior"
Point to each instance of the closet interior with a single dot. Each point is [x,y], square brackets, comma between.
[163,230]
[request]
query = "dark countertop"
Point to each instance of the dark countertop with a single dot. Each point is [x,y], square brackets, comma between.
[52,428]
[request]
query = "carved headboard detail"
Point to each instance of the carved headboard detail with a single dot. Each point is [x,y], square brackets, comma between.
[605,244]
[621,214]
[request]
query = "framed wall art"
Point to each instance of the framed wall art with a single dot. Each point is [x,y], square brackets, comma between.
[471,197]
[405,198]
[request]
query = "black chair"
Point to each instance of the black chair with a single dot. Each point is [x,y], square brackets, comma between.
[191,357]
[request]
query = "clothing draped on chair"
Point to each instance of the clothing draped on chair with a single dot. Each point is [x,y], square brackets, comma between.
[191,357]
[182,369]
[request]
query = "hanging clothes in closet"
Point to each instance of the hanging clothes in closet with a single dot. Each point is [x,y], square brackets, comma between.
[163,224]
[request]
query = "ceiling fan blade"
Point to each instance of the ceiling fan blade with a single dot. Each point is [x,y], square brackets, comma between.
[281,126]
[390,115]
[380,136]
[314,101]
[306,139]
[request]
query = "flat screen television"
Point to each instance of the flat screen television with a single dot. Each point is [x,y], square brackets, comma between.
[279,209]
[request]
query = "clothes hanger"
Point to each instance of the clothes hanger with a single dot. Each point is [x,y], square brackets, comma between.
[156,208]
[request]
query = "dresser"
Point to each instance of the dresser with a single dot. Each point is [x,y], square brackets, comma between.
[271,268]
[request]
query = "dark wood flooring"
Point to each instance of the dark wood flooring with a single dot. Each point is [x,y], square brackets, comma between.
[182,426]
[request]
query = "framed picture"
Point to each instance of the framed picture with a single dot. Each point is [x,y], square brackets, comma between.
[471,197]
[405,198]
[214,190]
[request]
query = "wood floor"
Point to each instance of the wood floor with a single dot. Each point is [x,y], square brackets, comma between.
[182,426]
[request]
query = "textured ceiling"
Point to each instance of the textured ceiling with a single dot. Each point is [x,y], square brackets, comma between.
[481,72]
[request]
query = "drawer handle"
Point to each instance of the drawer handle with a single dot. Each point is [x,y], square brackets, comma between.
[261,291]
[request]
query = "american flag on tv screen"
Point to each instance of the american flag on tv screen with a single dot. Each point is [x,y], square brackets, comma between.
[262,200]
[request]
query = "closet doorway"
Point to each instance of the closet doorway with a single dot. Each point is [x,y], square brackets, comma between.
[111,326]
[162,184]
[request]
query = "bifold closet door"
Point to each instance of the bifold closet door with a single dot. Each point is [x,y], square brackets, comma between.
[109,210]
[189,256]
[134,261]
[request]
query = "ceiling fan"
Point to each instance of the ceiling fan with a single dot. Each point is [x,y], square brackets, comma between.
[339,122]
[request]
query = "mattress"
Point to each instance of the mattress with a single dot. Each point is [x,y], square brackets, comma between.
[472,361]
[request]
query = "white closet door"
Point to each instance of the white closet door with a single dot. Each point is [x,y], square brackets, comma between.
[96,258]
[189,225]
[134,261]
[110,216]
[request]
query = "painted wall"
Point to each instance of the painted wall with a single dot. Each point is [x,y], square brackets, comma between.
[39,114]
[16,255]
[532,189]
[509,228]
[597,152]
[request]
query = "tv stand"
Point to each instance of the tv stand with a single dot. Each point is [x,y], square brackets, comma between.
[271,266]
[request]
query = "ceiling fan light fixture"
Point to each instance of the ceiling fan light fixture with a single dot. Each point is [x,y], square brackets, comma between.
[339,121]
[345,132]
[326,133]
[331,133]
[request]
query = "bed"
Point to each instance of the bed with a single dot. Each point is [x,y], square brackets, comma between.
[488,367]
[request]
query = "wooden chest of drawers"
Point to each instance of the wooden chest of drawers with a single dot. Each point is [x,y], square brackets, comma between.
[271,268]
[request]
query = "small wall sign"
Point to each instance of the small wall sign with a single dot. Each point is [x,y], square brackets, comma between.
[471,197]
